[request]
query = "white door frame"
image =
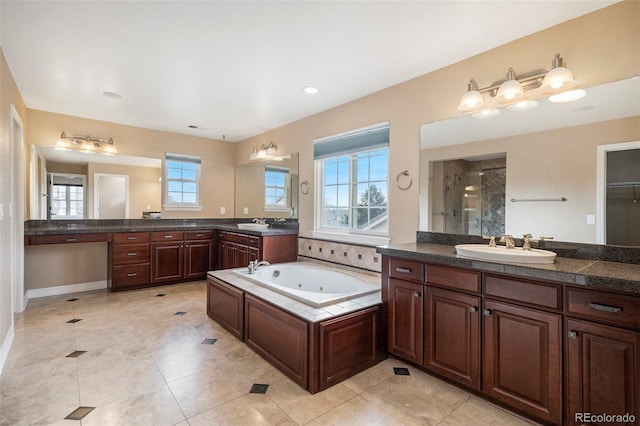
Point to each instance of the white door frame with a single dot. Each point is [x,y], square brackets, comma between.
[601,190]
[16,209]
[38,208]
[96,193]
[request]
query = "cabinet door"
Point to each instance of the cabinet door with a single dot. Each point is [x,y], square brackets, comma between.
[242,256]
[197,258]
[254,254]
[166,261]
[452,335]
[404,320]
[227,255]
[603,371]
[522,362]
[225,305]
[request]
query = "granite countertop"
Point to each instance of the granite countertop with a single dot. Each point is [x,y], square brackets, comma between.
[51,227]
[593,273]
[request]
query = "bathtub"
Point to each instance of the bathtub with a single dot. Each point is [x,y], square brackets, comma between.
[311,283]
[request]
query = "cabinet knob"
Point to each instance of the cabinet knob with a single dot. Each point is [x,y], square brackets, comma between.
[473,309]
[486,312]
[416,295]
[572,335]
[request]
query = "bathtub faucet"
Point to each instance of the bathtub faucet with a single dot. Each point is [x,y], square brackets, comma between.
[254,264]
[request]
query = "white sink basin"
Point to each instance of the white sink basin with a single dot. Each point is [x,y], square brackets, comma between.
[503,254]
[254,226]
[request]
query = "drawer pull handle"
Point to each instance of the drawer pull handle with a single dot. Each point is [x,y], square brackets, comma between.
[168,236]
[403,270]
[473,309]
[486,313]
[132,238]
[199,235]
[132,274]
[572,335]
[132,254]
[605,308]
[70,240]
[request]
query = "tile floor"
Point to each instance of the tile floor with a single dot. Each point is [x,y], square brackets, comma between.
[146,364]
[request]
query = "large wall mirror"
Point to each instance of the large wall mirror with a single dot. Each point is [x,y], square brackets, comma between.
[542,171]
[267,189]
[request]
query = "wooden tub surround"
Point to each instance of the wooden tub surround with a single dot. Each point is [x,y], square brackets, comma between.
[313,347]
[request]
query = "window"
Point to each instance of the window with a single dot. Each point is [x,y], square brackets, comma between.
[182,182]
[276,188]
[67,196]
[352,173]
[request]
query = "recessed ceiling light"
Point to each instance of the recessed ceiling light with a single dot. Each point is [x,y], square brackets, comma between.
[191,126]
[310,90]
[111,95]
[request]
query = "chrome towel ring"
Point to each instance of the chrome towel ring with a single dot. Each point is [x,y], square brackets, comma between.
[304,187]
[407,185]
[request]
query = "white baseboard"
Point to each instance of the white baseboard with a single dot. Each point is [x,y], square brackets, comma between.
[6,345]
[64,289]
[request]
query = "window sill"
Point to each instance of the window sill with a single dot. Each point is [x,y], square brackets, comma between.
[277,209]
[367,240]
[173,207]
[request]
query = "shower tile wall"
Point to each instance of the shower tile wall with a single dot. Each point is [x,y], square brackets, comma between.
[493,201]
[362,257]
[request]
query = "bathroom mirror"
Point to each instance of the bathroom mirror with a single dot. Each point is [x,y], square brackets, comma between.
[267,189]
[551,156]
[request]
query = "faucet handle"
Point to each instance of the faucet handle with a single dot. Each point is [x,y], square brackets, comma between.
[491,238]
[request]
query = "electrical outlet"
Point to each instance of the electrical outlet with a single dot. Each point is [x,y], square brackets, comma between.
[591,219]
[223,210]
[245,210]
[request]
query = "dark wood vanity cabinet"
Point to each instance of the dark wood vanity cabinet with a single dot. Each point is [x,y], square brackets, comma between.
[225,304]
[236,249]
[405,319]
[129,260]
[167,256]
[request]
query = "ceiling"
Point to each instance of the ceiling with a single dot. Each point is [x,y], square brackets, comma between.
[237,68]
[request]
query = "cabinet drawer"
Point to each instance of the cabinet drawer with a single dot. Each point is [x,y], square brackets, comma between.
[198,235]
[253,241]
[130,253]
[242,239]
[535,293]
[406,269]
[167,236]
[130,237]
[130,275]
[458,279]
[227,236]
[66,238]
[618,309]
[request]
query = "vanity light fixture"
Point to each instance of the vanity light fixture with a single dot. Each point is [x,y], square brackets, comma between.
[266,152]
[518,92]
[86,144]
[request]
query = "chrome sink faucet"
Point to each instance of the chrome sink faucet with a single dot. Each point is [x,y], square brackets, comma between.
[259,221]
[526,241]
[491,238]
[254,264]
[508,240]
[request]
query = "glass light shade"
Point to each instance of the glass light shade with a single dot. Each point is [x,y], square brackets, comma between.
[109,149]
[261,154]
[63,145]
[558,78]
[88,147]
[510,90]
[470,101]
[486,113]
[254,154]
[571,95]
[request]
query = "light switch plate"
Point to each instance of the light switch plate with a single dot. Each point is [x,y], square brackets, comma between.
[591,219]
[245,210]
[223,210]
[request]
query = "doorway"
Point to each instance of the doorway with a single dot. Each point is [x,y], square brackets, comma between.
[618,195]
[111,196]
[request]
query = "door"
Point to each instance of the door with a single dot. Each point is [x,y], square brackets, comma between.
[166,261]
[111,200]
[522,359]
[603,371]
[405,320]
[197,258]
[452,335]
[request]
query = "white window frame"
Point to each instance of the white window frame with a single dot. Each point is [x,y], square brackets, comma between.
[272,207]
[51,177]
[181,206]
[350,235]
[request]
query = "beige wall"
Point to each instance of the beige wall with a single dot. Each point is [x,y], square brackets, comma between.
[598,48]
[9,200]
[550,164]
[144,187]
[76,169]
[44,128]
